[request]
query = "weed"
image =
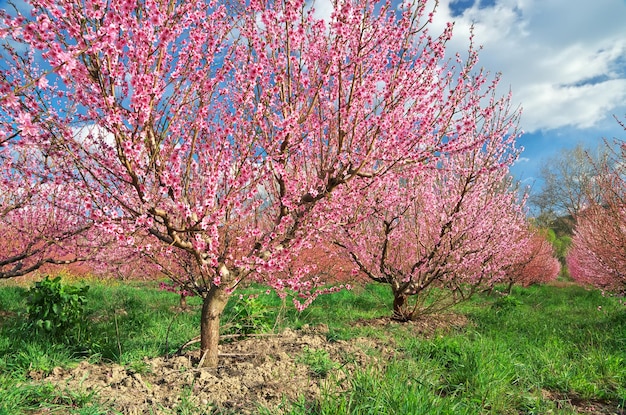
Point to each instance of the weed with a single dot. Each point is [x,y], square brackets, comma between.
[318,361]
[186,406]
[505,302]
[139,367]
[55,308]
[249,315]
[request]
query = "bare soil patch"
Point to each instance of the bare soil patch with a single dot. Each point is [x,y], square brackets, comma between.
[582,406]
[264,371]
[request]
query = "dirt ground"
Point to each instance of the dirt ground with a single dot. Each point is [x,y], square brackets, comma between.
[262,371]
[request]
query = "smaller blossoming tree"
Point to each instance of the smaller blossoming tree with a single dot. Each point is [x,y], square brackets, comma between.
[438,237]
[597,255]
[537,261]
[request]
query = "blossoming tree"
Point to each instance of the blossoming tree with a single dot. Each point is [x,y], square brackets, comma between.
[40,225]
[537,261]
[598,252]
[436,236]
[222,133]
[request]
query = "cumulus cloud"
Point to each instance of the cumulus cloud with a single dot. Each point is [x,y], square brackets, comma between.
[564,60]
[323,8]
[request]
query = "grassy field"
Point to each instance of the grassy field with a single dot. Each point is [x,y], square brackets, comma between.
[541,350]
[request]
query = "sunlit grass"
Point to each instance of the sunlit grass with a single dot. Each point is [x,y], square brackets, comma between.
[528,353]
[519,353]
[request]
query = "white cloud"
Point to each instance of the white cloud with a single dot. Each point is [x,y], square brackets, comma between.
[323,9]
[93,135]
[564,60]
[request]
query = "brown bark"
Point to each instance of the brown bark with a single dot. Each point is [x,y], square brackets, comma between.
[212,308]
[509,287]
[399,310]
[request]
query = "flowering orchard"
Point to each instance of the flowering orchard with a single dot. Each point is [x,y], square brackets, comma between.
[235,138]
[44,222]
[39,222]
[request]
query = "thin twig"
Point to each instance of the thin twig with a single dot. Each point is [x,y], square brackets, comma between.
[234,336]
[236,354]
[204,355]
[189,343]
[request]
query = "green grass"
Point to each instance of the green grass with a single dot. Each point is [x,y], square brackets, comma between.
[532,352]
[123,324]
[540,343]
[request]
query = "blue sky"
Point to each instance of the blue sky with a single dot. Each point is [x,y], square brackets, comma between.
[565,61]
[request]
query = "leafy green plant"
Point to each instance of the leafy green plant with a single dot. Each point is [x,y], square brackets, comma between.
[139,366]
[506,302]
[53,307]
[250,315]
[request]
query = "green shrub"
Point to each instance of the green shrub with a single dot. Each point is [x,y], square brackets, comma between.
[53,307]
[506,302]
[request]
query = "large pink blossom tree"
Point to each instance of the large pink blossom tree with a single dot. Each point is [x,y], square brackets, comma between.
[223,133]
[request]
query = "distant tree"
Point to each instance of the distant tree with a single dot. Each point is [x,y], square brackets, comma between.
[438,237]
[537,263]
[560,243]
[41,221]
[597,256]
[568,183]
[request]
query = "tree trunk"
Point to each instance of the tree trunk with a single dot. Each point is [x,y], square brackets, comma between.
[510,287]
[399,311]
[212,308]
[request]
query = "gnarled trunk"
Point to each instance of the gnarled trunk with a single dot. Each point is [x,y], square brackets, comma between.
[400,312]
[212,308]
